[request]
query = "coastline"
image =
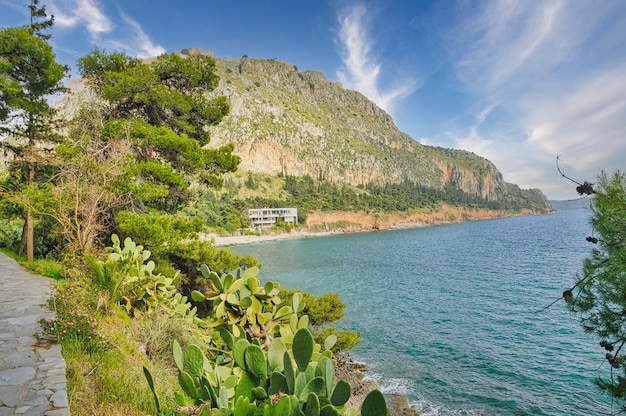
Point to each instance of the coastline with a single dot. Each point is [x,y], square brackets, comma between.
[332,223]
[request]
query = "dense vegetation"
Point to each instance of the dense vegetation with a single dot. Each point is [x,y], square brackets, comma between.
[598,297]
[127,163]
[227,208]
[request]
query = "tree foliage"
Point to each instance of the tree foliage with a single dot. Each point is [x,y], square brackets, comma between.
[140,146]
[29,73]
[599,295]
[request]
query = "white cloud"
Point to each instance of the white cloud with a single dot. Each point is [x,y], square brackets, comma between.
[140,42]
[128,36]
[585,124]
[360,70]
[503,46]
[87,13]
[556,69]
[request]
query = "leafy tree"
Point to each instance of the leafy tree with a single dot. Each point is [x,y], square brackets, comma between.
[599,295]
[28,74]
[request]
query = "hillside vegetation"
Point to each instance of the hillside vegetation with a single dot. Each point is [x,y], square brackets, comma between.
[291,123]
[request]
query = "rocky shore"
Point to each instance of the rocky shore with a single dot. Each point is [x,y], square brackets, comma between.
[352,372]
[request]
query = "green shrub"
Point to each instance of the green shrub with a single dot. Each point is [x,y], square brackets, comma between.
[10,233]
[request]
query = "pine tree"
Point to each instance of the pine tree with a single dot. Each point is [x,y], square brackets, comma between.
[28,74]
[599,295]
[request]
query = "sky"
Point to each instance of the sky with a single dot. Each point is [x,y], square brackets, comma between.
[520,82]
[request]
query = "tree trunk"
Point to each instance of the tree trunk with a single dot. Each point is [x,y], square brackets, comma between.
[29,227]
[30,232]
[22,247]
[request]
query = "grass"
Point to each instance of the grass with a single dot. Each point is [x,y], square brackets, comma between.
[45,267]
[104,363]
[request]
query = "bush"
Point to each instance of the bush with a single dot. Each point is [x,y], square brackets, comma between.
[10,233]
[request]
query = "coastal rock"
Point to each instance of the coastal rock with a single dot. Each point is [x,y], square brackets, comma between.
[351,371]
[398,405]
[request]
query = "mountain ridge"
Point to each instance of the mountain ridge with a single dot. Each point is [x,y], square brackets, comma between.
[283,121]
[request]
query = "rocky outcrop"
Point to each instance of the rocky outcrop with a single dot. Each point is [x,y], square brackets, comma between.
[296,123]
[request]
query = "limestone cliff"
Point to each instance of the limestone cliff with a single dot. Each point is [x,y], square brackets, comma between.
[295,123]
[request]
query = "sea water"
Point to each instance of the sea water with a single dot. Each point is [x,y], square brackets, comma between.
[452,316]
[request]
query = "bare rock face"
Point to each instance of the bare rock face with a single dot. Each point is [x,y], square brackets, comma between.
[296,123]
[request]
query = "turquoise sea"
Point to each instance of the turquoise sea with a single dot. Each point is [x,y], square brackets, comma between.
[449,314]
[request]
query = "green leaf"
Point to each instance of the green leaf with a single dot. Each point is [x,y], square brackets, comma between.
[278,383]
[290,376]
[237,285]
[217,282]
[259,393]
[330,341]
[302,348]
[374,404]
[239,349]
[245,302]
[303,322]
[228,281]
[341,393]
[317,386]
[178,355]
[220,311]
[326,370]
[242,405]
[312,405]
[255,361]
[299,384]
[329,410]
[250,273]
[187,384]
[194,360]
[283,311]
[283,407]
[253,284]
[150,380]
[245,386]
[275,354]
[197,296]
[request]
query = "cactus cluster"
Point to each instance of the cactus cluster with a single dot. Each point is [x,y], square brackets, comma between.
[294,379]
[242,306]
[267,363]
[135,283]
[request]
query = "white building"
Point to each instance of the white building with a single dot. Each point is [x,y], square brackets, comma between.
[266,217]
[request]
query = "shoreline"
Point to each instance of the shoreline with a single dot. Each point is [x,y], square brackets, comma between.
[362,223]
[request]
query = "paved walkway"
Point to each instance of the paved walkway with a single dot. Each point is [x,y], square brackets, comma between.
[32,370]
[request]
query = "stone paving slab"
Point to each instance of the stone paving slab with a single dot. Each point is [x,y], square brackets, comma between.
[32,369]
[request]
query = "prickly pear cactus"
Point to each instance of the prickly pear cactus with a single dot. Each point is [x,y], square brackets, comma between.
[242,307]
[133,280]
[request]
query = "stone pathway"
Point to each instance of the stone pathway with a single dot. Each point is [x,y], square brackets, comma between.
[32,370]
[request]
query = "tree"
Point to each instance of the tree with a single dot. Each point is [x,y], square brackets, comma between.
[140,147]
[599,295]
[28,74]
[160,108]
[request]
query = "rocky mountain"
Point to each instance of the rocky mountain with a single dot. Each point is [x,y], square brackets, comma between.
[286,121]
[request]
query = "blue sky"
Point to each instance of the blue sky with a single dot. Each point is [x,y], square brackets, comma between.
[516,81]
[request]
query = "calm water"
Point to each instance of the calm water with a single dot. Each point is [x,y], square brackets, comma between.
[448,314]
